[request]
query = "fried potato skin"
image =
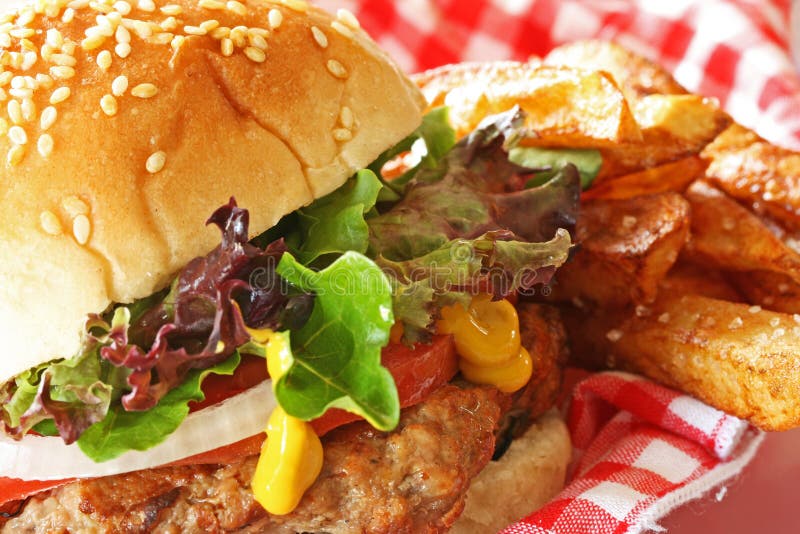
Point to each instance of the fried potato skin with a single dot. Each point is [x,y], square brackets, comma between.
[729,236]
[636,75]
[735,357]
[625,248]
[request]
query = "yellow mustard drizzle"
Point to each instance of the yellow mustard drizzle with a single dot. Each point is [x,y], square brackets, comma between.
[291,457]
[487,340]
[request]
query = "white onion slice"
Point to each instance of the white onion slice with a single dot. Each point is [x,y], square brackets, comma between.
[47,458]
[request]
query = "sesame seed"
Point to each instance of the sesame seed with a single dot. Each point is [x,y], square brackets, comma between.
[15,111]
[69,47]
[59,95]
[48,118]
[614,335]
[336,68]
[50,223]
[123,50]
[3,126]
[754,309]
[169,24]
[122,7]
[47,51]
[21,93]
[226,47]
[239,36]
[346,117]
[15,155]
[28,109]
[81,228]
[663,318]
[122,35]
[3,95]
[342,29]
[319,37]
[236,7]
[783,288]
[28,60]
[104,60]
[54,38]
[147,5]
[629,221]
[75,206]
[735,323]
[44,80]
[17,135]
[172,9]
[156,162]
[119,85]
[5,78]
[60,72]
[161,38]
[45,145]
[342,134]
[142,29]
[26,17]
[255,54]
[209,25]
[78,4]
[68,16]
[63,59]
[114,18]
[194,30]
[221,32]
[347,18]
[102,8]
[275,18]
[211,4]
[95,41]
[27,44]
[297,5]
[22,33]
[109,105]
[258,41]
[144,90]
[774,322]
[778,332]
[5,40]
[177,42]
[263,32]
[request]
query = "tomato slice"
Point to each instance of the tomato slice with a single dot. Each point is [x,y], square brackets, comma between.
[417,371]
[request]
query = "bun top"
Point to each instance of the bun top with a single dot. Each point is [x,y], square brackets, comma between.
[125,124]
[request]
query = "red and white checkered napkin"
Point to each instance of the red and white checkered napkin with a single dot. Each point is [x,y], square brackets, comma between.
[640,450]
[735,50]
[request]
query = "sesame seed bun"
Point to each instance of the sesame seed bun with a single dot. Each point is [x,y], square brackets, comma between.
[528,475]
[115,154]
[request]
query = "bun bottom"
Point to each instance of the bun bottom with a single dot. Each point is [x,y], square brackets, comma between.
[530,473]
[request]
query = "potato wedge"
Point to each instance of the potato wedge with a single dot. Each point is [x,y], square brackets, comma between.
[729,236]
[625,248]
[758,173]
[674,176]
[688,278]
[672,126]
[635,75]
[565,107]
[773,291]
[736,357]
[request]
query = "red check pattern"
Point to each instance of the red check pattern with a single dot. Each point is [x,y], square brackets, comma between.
[640,449]
[734,50]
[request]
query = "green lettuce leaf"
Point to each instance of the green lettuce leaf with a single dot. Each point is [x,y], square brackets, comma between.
[335,361]
[437,136]
[121,430]
[451,274]
[587,161]
[335,223]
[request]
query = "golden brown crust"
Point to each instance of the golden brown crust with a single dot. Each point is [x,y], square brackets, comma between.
[276,134]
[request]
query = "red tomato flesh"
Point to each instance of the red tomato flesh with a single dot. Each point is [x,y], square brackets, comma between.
[417,371]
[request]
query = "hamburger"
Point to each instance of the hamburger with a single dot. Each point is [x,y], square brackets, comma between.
[192,188]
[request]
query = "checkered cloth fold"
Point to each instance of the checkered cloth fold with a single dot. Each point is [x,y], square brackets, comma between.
[640,449]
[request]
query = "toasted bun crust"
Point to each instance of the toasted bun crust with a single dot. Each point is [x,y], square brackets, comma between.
[88,224]
[529,474]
